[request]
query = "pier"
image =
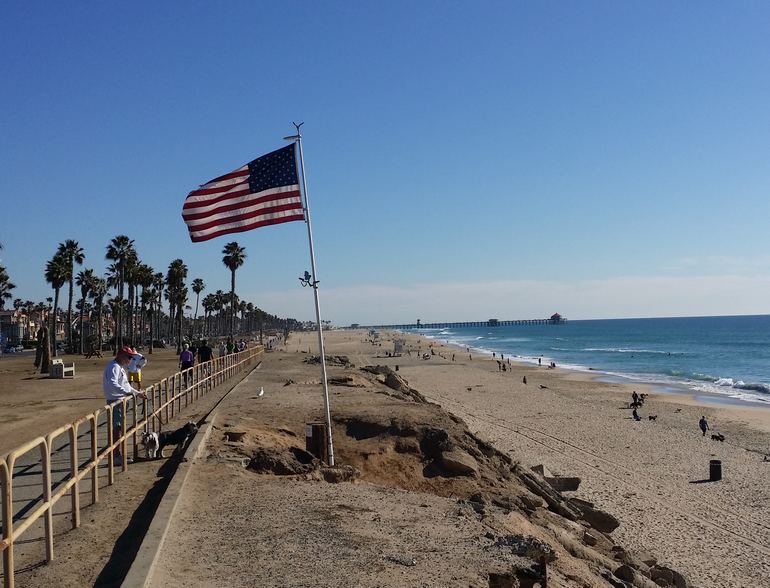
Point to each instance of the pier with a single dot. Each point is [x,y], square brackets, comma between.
[555,319]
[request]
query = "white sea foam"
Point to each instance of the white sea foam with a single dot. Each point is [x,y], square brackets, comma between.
[724,382]
[621,350]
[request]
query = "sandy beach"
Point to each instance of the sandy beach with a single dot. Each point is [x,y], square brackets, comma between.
[260,528]
[649,474]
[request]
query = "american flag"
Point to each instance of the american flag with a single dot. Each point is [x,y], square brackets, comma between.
[262,192]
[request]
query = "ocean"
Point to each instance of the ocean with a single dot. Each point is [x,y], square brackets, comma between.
[726,356]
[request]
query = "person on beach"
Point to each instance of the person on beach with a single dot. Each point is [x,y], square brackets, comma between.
[704,425]
[636,415]
[116,386]
[205,353]
[524,380]
[134,370]
[186,361]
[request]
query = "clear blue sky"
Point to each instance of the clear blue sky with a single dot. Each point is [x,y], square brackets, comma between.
[465,159]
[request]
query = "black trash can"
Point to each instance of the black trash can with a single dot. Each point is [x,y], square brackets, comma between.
[715,470]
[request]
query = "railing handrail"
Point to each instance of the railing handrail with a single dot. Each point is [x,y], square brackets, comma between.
[203,376]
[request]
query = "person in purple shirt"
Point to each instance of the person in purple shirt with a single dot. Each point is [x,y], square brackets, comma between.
[186,361]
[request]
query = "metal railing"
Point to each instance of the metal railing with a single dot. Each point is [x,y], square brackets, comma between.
[164,401]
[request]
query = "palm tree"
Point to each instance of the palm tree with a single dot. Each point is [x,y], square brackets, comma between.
[130,269]
[242,309]
[197,286]
[5,287]
[208,308]
[234,256]
[117,307]
[72,253]
[98,290]
[148,306]
[158,283]
[85,281]
[144,277]
[41,310]
[180,299]
[219,306]
[56,273]
[118,250]
[29,308]
[175,277]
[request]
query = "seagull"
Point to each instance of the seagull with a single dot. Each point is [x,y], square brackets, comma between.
[261,391]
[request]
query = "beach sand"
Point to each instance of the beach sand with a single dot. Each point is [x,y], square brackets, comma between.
[649,474]
[266,529]
[33,404]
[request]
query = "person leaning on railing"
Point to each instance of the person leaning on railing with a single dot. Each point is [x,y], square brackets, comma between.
[116,386]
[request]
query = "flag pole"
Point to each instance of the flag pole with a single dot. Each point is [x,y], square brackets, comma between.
[314,283]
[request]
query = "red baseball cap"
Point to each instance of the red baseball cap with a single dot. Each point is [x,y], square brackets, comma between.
[127,350]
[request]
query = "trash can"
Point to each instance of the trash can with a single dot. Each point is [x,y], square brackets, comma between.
[715,470]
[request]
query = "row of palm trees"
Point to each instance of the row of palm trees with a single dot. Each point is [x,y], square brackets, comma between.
[132,293]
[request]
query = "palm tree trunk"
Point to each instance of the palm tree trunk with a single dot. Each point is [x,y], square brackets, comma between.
[180,315]
[119,324]
[152,323]
[53,330]
[69,316]
[101,299]
[82,304]
[232,301]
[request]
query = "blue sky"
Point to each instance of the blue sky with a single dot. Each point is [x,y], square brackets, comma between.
[465,159]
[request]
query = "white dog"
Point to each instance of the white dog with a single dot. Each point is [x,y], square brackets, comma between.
[151,444]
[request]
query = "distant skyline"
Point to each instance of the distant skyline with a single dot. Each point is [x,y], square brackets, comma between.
[465,160]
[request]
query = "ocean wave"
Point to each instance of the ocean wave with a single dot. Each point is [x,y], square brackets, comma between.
[701,377]
[725,382]
[763,388]
[622,350]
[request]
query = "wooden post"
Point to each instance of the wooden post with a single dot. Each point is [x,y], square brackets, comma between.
[315,440]
[75,492]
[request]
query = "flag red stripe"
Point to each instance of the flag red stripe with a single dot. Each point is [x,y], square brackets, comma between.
[209,201]
[245,203]
[244,171]
[247,227]
[230,195]
[245,216]
[293,190]
[206,191]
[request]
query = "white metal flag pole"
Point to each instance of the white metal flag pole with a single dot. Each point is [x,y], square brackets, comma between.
[314,283]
